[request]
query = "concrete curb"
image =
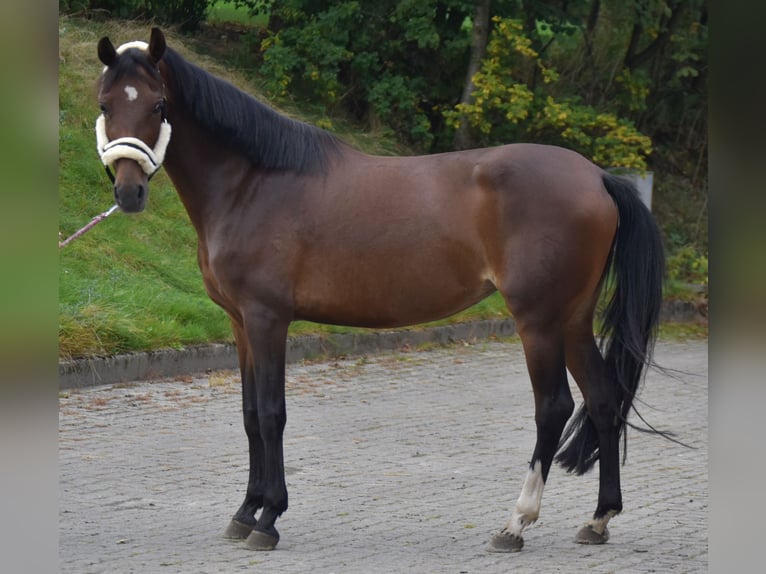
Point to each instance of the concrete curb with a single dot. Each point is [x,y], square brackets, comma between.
[198,359]
[93,371]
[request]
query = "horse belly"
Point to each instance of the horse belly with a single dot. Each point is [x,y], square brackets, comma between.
[390,290]
[397,244]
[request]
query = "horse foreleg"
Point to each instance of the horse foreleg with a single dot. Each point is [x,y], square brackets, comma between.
[553,405]
[267,338]
[243,522]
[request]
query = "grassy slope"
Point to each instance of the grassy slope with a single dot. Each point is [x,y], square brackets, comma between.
[132,283]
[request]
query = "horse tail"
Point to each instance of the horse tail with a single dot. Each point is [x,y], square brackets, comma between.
[629,322]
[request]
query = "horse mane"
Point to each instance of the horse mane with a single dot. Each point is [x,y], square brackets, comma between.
[266,137]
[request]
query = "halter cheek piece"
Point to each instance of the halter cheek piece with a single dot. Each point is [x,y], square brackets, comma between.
[149,159]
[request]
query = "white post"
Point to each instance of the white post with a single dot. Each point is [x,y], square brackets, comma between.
[644,183]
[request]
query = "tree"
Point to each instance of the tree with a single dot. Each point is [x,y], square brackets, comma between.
[506,107]
[479,38]
[389,64]
[187,14]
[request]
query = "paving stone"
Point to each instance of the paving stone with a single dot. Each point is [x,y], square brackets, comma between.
[403,462]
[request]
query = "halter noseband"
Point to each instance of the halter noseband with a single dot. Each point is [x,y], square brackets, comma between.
[149,159]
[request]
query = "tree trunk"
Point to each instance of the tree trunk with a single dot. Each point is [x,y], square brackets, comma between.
[479,39]
[590,29]
[667,26]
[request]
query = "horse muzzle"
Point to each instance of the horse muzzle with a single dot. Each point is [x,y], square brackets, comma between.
[130,192]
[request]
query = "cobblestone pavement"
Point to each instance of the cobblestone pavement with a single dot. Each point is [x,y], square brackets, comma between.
[404,462]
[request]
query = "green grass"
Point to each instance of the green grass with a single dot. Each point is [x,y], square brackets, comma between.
[226,13]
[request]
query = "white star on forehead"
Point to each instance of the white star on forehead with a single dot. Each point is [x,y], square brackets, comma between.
[131,92]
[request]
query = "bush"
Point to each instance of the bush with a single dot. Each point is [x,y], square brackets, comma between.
[515,99]
[389,64]
[186,14]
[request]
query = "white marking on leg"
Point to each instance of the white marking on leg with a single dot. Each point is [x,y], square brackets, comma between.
[131,92]
[599,524]
[528,505]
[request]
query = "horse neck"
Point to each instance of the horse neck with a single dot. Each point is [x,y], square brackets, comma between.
[194,164]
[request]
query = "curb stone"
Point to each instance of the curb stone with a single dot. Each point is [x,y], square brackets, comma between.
[92,371]
[79,373]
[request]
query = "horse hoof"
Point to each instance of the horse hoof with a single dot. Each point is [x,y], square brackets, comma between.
[587,535]
[237,530]
[505,541]
[258,540]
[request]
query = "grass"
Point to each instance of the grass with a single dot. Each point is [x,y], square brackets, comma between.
[227,13]
[132,283]
[683,331]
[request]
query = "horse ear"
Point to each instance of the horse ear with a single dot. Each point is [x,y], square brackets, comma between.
[106,52]
[157,45]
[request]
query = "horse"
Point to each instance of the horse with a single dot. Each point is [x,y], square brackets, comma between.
[295,224]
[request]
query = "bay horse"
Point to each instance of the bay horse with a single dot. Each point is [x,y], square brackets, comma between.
[295,224]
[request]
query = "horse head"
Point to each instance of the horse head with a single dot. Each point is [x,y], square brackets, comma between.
[132,131]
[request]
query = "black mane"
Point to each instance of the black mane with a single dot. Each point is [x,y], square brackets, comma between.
[261,134]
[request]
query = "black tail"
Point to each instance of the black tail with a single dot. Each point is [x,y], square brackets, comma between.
[630,319]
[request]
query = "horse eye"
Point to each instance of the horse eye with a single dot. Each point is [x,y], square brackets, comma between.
[103,109]
[159,106]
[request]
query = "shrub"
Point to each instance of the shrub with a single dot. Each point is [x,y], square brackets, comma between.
[187,14]
[514,99]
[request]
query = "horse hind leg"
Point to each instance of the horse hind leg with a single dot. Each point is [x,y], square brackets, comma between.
[544,352]
[594,432]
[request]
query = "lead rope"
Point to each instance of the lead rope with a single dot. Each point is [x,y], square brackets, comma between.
[98,219]
[149,159]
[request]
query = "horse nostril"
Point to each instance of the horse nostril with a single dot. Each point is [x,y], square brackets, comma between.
[140,192]
[117,196]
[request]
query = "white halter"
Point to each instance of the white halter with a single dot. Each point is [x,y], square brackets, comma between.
[149,159]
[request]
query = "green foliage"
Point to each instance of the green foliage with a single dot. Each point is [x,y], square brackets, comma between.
[397,106]
[687,265]
[222,13]
[187,14]
[72,6]
[507,106]
[254,7]
[306,54]
[387,64]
